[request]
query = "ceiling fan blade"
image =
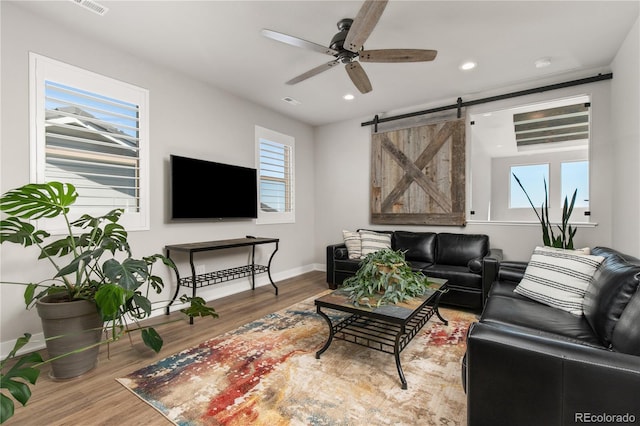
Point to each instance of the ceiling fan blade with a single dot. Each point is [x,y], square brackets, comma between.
[312,72]
[363,24]
[297,42]
[397,55]
[359,77]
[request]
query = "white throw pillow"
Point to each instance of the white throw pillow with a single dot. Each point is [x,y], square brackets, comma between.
[374,241]
[354,244]
[558,278]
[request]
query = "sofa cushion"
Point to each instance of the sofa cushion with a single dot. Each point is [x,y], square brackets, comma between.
[347,265]
[374,241]
[459,249]
[353,242]
[418,246]
[538,319]
[608,294]
[505,288]
[458,276]
[558,278]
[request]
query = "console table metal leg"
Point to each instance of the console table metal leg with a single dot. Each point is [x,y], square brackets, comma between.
[253,267]
[330,339]
[175,295]
[269,269]
[193,282]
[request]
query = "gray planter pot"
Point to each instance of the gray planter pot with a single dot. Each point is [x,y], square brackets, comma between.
[80,326]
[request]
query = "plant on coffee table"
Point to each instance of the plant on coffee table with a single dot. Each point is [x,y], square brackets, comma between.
[384,277]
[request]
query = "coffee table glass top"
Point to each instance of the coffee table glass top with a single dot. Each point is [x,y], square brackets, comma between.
[339,299]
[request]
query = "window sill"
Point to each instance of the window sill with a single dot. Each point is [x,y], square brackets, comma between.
[527,223]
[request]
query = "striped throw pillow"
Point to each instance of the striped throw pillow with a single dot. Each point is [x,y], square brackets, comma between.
[558,278]
[354,244]
[374,241]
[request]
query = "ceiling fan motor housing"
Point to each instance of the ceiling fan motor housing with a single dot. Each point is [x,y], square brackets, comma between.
[337,42]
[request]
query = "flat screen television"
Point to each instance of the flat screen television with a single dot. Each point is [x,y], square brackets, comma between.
[203,189]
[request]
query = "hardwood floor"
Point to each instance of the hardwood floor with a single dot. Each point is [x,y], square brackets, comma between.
[97,399]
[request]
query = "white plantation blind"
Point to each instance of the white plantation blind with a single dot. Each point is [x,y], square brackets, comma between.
[91,131]
[276,176]
[92,142]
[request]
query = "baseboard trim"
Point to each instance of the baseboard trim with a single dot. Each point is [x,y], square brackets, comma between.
[37,341]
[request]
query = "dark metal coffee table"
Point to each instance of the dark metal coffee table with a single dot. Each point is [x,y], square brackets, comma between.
[388,328]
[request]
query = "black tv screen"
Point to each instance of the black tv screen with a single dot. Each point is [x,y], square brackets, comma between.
[208,190]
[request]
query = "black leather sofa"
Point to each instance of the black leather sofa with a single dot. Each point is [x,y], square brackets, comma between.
[456,257]
[531,364]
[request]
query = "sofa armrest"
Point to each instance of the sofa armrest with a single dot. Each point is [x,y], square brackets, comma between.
[556,381]
[496,253]
[512,271]
[490,267]
[331,256]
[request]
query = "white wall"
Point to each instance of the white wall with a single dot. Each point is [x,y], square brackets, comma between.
[625,119]
[343,163]
[188,118]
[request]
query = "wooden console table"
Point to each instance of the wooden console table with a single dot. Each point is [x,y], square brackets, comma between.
[195,281]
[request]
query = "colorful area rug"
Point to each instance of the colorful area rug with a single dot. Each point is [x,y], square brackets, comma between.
[265,373]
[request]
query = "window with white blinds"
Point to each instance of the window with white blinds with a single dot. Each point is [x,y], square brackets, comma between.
[91,131]
[276,176]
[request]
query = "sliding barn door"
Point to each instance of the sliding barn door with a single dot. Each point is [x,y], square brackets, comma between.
[418,175]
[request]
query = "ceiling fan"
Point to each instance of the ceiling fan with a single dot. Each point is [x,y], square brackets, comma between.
[346,47]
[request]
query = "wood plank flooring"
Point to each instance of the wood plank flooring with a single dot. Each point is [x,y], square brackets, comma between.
[97,399]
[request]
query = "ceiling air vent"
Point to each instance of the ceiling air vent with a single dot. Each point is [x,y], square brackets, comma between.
[92,6]
[291,101]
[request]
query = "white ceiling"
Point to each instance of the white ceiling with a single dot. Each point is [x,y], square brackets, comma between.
[219,42]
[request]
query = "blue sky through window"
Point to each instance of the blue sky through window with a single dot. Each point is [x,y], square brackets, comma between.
[532,178]
[575,175]
[119,114]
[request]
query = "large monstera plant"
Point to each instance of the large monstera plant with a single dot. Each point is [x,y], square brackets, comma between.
[92,261]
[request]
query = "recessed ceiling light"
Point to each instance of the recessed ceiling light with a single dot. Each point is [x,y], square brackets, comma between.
[542,62]
[348,97]
[468,66]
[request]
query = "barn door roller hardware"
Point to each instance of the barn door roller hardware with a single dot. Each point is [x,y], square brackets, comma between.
[459,103]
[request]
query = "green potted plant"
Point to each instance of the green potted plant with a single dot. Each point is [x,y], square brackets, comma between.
[384,277]
[564,239]
[98,287]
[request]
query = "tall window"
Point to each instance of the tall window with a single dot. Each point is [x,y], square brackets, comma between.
[575,176]
[91,131]
[276,176]
[532,178]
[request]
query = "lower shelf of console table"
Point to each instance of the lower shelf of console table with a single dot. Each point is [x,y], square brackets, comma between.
[195,281]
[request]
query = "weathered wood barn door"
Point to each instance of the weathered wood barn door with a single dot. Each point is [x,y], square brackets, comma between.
[418,175]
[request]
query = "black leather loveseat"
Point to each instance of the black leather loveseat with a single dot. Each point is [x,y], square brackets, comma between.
[531,364]
[457,257]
